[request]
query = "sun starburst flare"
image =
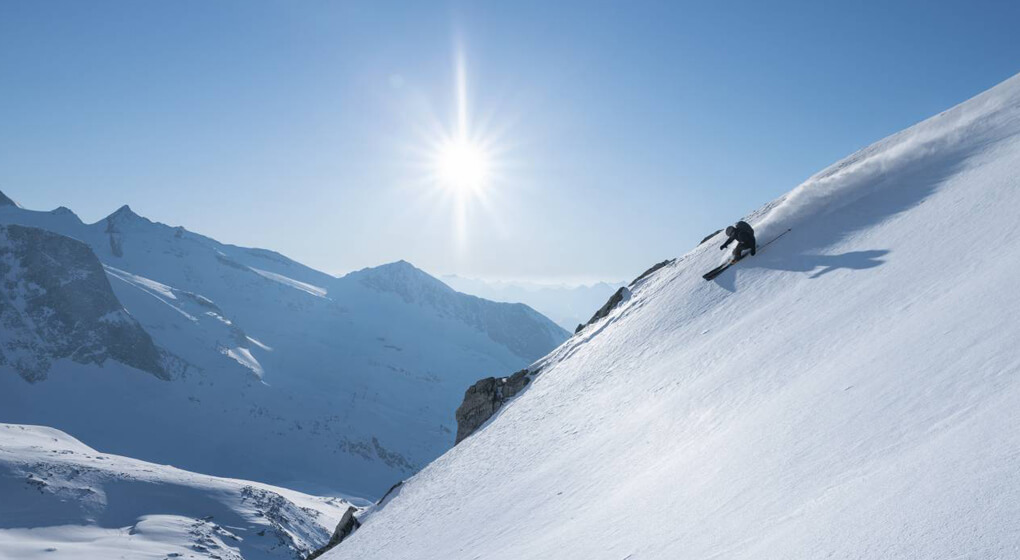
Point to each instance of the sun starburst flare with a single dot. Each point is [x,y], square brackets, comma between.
[463,161]
[462,166]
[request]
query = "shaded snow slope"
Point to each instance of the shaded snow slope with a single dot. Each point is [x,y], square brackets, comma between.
[851,392]
[287,375]
[515,326]
[63,499]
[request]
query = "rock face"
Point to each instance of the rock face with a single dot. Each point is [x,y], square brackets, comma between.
[709,236]
[623,293]
[347,525]
[614,300]
[485,397]
[56,303]
[655,268]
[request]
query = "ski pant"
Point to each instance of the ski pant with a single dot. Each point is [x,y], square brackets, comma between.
[739,249]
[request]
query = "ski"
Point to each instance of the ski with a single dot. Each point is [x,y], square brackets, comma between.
[718,270]
[721,268]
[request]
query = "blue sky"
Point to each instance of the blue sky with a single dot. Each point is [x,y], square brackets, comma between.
[620,132]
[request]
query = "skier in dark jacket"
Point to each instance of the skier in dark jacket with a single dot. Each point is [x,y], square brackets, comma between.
[744,234]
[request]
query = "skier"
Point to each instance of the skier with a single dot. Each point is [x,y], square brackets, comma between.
[744,234]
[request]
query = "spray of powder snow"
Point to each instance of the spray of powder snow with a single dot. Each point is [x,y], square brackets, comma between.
[947,138]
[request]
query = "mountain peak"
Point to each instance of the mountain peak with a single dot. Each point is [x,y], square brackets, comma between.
[398,266]
[6,201]
[124,216]
[124,212]
[400,277]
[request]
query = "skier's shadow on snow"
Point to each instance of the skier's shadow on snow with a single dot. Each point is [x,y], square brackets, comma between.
[817,265]
[854,260]
[887,193]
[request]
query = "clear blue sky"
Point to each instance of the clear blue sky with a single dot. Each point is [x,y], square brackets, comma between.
[624,131]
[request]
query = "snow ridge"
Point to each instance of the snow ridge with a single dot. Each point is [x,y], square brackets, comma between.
[934,143]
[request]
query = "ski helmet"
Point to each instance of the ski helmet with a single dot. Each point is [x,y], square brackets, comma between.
[730,230]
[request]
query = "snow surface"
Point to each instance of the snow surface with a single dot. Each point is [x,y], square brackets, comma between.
[851,392]
[286,375]
[63,499]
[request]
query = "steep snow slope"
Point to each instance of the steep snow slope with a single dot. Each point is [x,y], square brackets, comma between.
[289,375]
[63,499]
[851,392]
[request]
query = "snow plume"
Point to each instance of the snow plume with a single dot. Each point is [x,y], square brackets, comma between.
[947,138]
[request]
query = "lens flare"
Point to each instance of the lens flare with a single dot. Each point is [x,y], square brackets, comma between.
[462,166]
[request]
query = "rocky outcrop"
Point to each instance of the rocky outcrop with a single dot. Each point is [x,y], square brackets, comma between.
[485,397]
[616,299]
[56,303]
[622,294]
[347,525]
[709,236]
[655,268]
[390,494]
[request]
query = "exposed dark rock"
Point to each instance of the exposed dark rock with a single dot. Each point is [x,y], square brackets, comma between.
[392,458]
[111,229]
[56,303]
[6,201]
[614,300]
[709,236]
[392,492]
[481,401]
[652,270]
[622,294]
[347,525]
[485,397]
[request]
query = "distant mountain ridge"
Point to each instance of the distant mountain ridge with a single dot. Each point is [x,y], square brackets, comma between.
[279,363]
[567,305]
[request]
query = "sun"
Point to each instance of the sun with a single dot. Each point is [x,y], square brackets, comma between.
[462,166]
[461,159]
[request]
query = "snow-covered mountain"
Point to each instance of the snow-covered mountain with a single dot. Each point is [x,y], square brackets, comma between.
[850,392]
[65,500]
[281,373]
[567,305]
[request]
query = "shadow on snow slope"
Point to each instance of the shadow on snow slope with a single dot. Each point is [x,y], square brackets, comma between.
[898,192]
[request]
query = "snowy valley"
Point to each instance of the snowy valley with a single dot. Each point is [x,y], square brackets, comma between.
[240,362]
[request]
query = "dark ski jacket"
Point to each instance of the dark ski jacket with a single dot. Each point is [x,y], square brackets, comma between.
[744,234]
